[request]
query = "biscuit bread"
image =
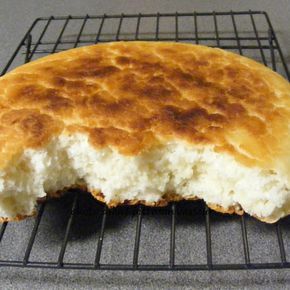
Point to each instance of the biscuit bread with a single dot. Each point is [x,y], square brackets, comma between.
[146,122]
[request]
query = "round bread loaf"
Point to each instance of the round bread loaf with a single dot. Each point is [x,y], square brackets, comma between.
[146,122]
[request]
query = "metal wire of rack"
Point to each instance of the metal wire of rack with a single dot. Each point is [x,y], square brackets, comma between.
[237,31]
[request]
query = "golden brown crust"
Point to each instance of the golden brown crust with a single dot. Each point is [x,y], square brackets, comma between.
[133,95]
[166,199]
[230,210]
[17,218]
[169,197]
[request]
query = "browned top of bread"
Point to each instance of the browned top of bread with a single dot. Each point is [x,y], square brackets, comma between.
[134,95]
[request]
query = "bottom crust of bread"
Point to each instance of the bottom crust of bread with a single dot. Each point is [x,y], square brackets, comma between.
[17,218]
[166,199]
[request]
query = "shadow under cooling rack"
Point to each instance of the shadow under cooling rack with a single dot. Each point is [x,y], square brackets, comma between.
[77,232]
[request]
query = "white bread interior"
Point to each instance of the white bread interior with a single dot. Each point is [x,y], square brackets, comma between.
[171,168]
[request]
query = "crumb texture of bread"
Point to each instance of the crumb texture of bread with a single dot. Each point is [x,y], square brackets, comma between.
[175,168]
[138,120]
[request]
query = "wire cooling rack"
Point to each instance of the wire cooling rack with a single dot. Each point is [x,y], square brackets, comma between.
[190,236]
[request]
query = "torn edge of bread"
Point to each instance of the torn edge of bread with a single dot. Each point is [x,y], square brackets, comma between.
[170,172]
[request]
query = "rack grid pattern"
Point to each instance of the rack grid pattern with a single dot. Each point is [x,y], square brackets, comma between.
[235,31]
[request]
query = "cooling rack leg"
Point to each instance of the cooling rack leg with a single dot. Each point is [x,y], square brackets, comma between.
[258,39]
[195,28]
[157,27]
[271,39]
[2,231]
[137,27]
[208,238]
[176,27]
[33,234]
[101,238]
[216,29]
[67,231]
[137,237]
[172,237]
[67,19]
[28,42]
[119,27]
[281,243]
[81,31]
[100,28]
[245,240]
